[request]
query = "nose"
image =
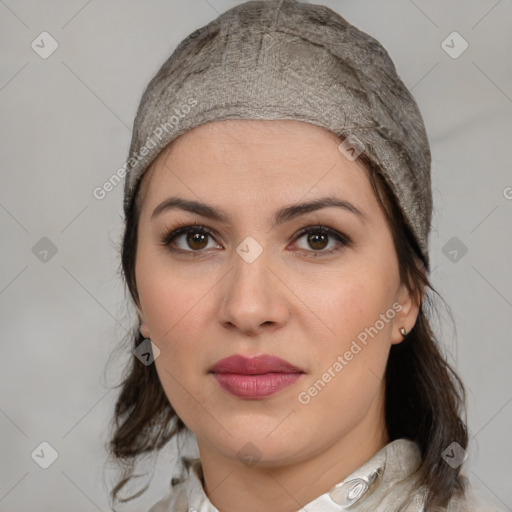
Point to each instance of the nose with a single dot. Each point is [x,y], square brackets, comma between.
[254,297]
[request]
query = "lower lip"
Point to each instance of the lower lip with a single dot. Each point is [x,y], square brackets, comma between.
[255,386]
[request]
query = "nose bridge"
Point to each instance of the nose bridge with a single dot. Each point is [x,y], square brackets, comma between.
[252,261]
[250,277]
[253,295]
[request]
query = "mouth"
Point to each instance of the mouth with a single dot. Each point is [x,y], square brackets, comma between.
[255,377]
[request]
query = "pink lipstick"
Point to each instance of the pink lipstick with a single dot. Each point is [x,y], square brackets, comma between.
[255,377]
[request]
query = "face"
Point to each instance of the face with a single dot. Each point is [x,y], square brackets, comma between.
[316,287]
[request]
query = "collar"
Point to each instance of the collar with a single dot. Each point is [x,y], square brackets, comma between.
[394,464]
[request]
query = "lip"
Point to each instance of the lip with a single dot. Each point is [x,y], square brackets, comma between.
[255,377]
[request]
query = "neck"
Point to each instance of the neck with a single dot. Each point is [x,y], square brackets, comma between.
[231,486]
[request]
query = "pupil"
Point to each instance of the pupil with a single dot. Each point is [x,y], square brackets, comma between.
[313,239]
[197,238]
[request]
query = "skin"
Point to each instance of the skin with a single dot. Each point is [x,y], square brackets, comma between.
[288,303]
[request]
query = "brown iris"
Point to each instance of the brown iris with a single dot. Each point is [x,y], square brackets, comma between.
[197,238]
[313,240]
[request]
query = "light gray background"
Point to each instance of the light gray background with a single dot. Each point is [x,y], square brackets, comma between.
[65,129]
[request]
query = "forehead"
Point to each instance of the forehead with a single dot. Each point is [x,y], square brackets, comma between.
[285,159]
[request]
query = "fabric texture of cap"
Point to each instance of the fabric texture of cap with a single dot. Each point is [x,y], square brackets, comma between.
[286,59]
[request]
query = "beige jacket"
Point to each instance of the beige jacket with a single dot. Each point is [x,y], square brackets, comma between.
[386,483]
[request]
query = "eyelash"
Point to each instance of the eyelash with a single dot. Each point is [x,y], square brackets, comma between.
[196,228]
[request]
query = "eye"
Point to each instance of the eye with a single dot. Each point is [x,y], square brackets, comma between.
[195,238]
[318,239]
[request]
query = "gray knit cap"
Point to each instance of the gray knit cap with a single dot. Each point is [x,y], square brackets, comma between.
[285,59]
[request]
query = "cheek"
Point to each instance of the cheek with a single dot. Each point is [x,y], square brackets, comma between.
[349,305]
[174,311]
[350,357]
[176,308]
[168,300]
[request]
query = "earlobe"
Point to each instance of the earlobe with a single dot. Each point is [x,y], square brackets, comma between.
[399,334]
[144,330]
[143,326]
[406,317]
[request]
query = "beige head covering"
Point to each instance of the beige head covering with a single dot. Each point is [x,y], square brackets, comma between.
[286,59]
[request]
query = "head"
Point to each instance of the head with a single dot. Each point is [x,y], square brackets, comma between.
[326,289]
[303,298]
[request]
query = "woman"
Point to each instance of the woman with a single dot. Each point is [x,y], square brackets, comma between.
[278,206]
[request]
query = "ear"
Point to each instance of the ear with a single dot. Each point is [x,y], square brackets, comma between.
[144,328]
[408,313]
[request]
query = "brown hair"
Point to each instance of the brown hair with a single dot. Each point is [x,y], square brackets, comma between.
[424,398]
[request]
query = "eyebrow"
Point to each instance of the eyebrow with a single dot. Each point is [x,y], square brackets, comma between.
[282,215]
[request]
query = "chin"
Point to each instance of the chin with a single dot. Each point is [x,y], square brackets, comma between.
[262,445]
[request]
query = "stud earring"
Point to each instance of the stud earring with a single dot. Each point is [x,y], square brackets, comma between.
[403,332]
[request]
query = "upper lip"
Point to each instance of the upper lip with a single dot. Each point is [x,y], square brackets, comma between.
[254,365]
